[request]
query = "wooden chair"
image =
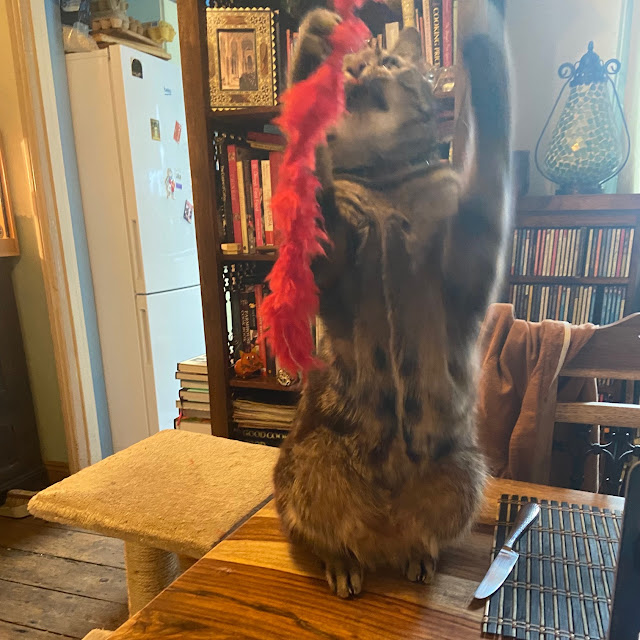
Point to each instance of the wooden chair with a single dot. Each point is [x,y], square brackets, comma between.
[612,352]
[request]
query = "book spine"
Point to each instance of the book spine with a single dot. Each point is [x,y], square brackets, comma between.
[587,261]
[455,31]
[447,33]
[262,344]
[244,320]
[525,257]
[244,227]
[623,233]
[266,201]
[408,17]
[436,31]
[420,23]
[236,323]
[248,200]
[275,160]
[554,252]
[629,253]
[235,194]
[391,31]
[257,202]
[514,248]
[596,263]
[225,221]
[614,253]
[428,32]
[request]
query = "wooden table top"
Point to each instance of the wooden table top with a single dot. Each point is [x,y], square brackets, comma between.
[254,584]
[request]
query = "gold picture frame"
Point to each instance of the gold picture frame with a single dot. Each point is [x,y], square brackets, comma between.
[242,58]
[8,238]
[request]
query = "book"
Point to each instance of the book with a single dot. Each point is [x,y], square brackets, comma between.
[248,199]
[391,33]
[203,407]
[408,17]
[455,32]
[265,167]
[193,381]
[223,189]
[235,193]
[428,34]
[245,327]
[194,395]
[257,201]
[192,377]
[197,365]
[269,138]
[447,33]
[243,207]
[275,162]
[195,425]
[435,8]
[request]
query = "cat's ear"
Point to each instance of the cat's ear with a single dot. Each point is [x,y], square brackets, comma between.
[409,45]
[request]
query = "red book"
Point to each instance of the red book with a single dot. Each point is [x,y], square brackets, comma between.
[262,345]
[275,160]
[447,33]
[235,194]
[554,270]
[618,272]
[271,138]
[597,260]
[257,202]
[536,264]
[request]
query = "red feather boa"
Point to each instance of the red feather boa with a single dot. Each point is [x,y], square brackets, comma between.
[310,108]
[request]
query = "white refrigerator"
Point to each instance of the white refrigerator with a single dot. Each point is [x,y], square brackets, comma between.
[133,161]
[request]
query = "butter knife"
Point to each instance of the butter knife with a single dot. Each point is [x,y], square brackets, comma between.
[506,559]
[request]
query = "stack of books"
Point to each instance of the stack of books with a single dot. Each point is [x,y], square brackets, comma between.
[261,422]
[246,176]
[193,403]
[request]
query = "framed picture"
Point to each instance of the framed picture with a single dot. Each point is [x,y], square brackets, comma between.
[8,239]
[242,58]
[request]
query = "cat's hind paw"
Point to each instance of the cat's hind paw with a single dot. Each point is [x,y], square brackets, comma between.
[421,569]
[344,576]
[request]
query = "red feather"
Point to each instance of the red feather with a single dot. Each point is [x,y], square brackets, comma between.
[309,109]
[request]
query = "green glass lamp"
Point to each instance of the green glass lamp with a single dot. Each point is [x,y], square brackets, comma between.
[589,142]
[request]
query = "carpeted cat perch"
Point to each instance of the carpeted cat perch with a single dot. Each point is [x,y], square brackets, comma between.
[310,108]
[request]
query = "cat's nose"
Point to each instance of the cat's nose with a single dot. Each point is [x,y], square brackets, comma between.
[356,69]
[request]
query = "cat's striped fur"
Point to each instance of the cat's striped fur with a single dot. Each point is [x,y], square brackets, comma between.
[381,466]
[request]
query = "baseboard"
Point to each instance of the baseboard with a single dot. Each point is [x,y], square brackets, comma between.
[56,471]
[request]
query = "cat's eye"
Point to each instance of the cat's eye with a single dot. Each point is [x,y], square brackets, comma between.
[390,62]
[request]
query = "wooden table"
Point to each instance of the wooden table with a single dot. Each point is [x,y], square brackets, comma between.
[254,584]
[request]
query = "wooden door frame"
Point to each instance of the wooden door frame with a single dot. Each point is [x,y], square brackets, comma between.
[43,151]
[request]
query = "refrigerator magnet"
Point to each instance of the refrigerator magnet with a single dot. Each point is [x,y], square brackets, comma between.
[188,211]
[170,185]
[178,178]
[155,129]
[177,131]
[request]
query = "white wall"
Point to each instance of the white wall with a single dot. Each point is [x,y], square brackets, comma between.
[543,34]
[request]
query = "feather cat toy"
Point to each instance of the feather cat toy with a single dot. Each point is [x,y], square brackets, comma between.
[310,108]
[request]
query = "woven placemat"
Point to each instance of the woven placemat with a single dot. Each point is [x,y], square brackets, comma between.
[562,584]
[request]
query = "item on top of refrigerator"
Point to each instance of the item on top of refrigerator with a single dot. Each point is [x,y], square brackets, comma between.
[159,31]
[76,38]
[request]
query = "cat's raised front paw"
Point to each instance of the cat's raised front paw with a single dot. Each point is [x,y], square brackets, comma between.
[314,46]
[421,570]
[344,576]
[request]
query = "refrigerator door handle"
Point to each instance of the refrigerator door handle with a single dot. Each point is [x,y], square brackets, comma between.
[135,249]
[146,336]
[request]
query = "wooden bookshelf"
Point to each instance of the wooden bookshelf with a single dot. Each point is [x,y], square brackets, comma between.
[263,382]
[202,122]
[600,211]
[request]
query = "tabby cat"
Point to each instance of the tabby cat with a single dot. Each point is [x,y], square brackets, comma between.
[381,466]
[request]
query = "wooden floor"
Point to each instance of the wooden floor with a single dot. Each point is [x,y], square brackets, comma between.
[57,582]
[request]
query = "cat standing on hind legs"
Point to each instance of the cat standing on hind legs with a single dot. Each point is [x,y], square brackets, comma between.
[381,466]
